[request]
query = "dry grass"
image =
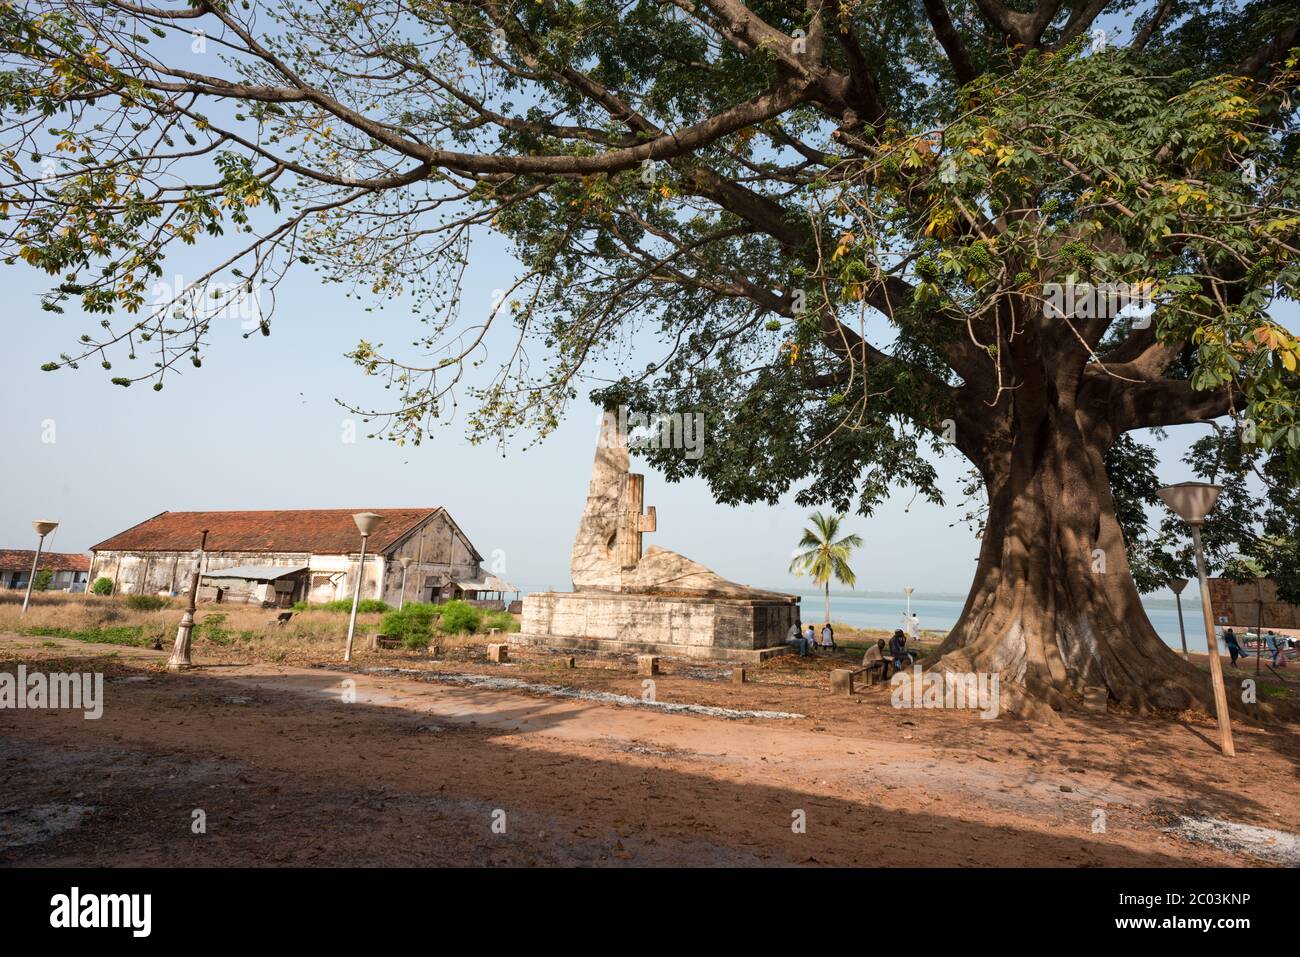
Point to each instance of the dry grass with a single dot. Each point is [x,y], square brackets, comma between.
[242,632]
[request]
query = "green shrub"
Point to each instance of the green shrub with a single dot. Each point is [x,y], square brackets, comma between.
[413,625]
[460,618]
[213,628]
[147,602]
[500,619]
[43,579]
[102,586]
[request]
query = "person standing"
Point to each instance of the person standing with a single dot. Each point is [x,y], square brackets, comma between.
[913,627]
[1234,649]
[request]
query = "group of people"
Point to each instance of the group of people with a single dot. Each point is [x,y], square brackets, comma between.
[879,657]
[1275,644]
[805,642]
[896,658]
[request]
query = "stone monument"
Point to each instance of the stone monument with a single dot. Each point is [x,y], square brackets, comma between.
[650,601]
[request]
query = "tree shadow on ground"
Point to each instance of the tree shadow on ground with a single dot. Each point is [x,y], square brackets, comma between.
[288,778]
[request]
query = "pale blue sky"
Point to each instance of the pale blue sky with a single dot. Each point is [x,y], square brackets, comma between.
[258,427]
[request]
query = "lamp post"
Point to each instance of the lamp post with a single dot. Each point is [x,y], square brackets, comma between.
[180,659]
[1192,501]
[406,564]
[908,589]
[42,529]
[1176,585]
[366,522]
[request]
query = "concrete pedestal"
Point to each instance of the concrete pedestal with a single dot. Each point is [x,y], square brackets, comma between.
[728,629]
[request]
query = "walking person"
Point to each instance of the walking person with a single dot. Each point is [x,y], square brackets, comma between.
[1234,649]
[1271,643]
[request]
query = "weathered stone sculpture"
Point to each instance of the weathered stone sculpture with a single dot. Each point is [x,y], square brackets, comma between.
[654,601]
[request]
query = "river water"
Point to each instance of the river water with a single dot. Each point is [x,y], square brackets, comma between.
[940,612]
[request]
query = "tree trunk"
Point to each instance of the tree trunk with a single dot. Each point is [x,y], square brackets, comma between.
[1053,608]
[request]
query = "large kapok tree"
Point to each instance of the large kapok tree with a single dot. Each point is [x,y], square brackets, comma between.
[846,232]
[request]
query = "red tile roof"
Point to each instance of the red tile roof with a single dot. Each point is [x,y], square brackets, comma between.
[328,531]
[20,560]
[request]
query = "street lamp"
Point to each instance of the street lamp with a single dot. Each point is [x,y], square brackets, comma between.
[1192,501]
[406,564]
[366,522]
[42,529]
[909,590]
[1176,585]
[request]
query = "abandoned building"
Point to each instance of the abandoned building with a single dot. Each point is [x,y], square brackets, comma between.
[68,570]
[286,556]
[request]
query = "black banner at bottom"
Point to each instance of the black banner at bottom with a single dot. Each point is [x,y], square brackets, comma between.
[335,906]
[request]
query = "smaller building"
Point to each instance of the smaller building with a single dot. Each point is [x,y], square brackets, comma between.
[257,584]
[482,591]
[70,571]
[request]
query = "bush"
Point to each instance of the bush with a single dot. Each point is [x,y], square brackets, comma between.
[460,618]
[413,625]
[500,619]
[102,586]
[43,579]
[213,628]
[147,602]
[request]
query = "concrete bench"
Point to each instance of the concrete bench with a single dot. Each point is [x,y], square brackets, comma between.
[842,678]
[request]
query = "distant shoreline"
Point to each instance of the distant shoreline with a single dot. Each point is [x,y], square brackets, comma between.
[1191,601]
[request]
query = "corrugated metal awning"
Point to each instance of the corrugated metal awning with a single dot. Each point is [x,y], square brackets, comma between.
[264,573]
[486,583]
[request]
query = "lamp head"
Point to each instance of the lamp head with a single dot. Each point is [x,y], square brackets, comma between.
[1192,501]
[406,561]
[1176,585]
[44,528]
[366,521]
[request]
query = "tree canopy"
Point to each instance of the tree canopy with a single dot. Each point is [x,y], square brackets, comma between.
[846,225]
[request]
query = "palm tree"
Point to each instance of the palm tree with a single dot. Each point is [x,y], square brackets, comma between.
[823,555]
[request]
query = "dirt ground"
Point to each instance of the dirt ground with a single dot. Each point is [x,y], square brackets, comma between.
[402,760]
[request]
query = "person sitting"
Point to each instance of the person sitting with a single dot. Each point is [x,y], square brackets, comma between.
[810,638]
[875,659]
[898,652]
[795,637]
[828,637]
